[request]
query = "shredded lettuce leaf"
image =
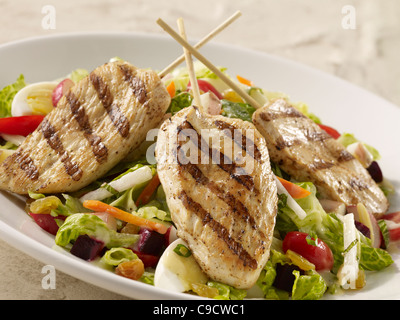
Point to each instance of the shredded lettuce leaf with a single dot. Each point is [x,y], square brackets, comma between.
[147,277]
[307,286]
[329,229]
[347,139]
[237,110]
[385,232]
[7,95]
[310,286]
[227,292]
[267,277]
[78,74]
[152,212]
[179,102]
[90,224]
[374,259]
[180,76]
[115,256]
[303,108]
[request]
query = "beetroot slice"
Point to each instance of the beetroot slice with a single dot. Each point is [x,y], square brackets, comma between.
[87,248]
[285,278]
[375,172]
[151,242]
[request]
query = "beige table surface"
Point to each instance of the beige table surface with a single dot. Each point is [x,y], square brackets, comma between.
[312,32]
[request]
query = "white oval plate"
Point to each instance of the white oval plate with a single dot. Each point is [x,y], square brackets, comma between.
[337,102]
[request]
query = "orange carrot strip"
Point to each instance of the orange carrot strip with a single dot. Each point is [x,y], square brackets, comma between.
[294,190]
[99,206]
[148,191]
[171,89]
[245,81]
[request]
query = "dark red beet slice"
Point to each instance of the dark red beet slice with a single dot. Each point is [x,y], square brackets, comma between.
[87,248]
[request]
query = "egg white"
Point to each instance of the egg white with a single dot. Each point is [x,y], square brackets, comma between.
[170,278]
[20,105]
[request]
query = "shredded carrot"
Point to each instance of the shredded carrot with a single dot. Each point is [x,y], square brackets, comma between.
[294,190]
[99,206]
[245,81]
[171,89]
[148,191]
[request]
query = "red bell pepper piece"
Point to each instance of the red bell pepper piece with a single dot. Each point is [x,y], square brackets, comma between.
[23,125]
[329,130]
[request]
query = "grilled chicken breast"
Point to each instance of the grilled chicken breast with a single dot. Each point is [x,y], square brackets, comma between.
[222,202]
[306,152]
[95,125]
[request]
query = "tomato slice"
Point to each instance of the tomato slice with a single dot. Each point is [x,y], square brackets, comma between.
[23,125]
[318,253]
[205,87]
[329,130]
[394,234]
[393,216]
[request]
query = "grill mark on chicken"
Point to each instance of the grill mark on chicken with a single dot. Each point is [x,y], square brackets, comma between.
[320,164]
[92,144]
[136,84]
[220,230]
[345,156]
[55,143]
[312,155]
[359,184]
[224,162]
[100,151]
[27,165]
[106,97]
[240,139]
[237,207]
[311,136]
[286,113]
[203,197]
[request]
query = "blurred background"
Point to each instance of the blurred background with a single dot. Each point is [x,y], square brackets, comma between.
[357,40]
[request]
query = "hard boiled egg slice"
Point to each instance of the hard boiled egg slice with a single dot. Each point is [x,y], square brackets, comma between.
[175,272]
[33,99]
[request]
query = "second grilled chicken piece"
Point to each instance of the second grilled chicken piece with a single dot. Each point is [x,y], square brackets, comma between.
[94,126]
[225,211]
[306,152]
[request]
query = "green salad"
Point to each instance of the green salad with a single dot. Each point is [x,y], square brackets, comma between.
[310,257]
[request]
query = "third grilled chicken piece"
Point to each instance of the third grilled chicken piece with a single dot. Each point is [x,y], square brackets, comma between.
[220,189]
[308,153]
[94,126]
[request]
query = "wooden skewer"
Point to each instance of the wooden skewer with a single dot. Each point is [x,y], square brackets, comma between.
[245,96]
[203,41]
[189,63]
